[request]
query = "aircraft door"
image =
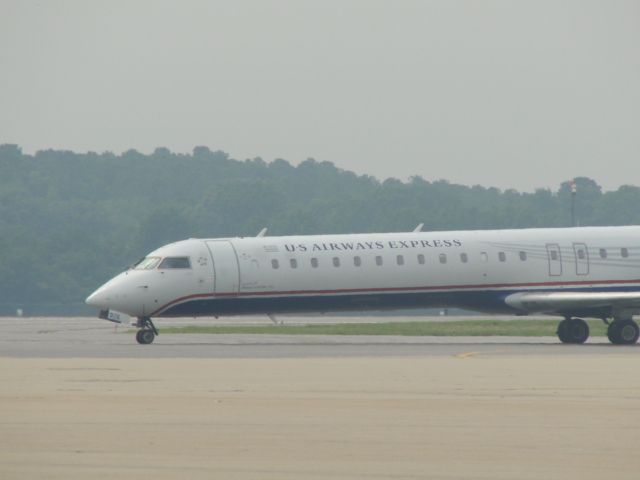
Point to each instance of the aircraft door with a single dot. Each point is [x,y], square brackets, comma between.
[581,255]
[484,260]
[226,275]
[555,259]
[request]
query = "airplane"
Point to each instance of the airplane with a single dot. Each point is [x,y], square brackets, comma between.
[576,273]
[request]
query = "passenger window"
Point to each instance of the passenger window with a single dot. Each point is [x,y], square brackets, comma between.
[581,254]
[357,261]
[379,260]
[293,262]
[502,256]
[175,262]
[603,253]
[624,252]
[336,261]
[400,260]
[314,262]
[523,256]
[554,254]
[421,259]
[274,264]
[464,258]
[443,258]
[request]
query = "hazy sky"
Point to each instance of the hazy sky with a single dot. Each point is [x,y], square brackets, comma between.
[520,94]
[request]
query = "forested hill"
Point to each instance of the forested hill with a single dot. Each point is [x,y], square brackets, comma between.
[70,221]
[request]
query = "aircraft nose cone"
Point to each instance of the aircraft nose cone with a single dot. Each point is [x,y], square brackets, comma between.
[118,294]
[97,299]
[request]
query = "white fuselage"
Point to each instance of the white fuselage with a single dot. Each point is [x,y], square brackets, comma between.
[318,273]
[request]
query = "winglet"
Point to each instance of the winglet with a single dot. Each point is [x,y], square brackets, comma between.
[419,227]
[262,232]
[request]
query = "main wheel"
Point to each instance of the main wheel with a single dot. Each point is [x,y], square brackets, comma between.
[573,330]
[613,333]
[578,330]
[623,332]
[563,331]
[145,336]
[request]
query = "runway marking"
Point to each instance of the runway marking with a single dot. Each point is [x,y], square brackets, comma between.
[466,354]
[473,354]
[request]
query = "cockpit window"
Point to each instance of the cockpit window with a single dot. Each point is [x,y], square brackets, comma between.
[175,262]
[147,263]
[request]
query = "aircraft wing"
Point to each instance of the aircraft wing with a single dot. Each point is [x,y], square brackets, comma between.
[567,302]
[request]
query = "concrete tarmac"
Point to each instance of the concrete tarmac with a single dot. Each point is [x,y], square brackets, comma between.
[90,337]
[78,400]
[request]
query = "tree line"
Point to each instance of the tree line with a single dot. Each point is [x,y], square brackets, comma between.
[69,221]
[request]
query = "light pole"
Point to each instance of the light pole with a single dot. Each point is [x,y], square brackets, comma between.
[573,203]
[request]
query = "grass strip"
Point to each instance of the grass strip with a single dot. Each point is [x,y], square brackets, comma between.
[511,328]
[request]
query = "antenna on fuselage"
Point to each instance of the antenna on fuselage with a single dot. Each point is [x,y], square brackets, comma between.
[262,232]
[418,228]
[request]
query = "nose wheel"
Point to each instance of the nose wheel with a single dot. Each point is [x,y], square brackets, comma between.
[147,332]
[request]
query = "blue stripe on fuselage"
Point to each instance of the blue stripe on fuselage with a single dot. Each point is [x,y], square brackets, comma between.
[489,301]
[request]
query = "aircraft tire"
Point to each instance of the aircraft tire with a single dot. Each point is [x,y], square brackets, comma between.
[573,330]
[563,331]
[145,336]
[578,330]
[623,332]
[612,333]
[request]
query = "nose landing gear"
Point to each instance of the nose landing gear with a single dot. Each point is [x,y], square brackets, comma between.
[147,332]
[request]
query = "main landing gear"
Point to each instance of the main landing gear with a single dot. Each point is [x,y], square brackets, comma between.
[620,331]
[147,332]
[623,332]
[573,330]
